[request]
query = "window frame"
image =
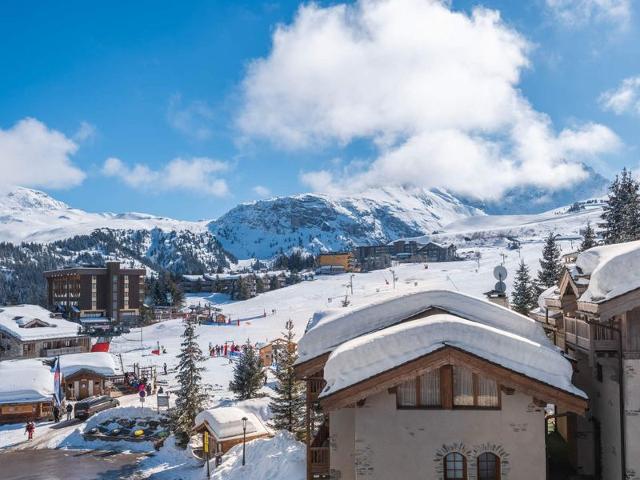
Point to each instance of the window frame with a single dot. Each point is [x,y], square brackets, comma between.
[447,392]
[464,466]
[498,469]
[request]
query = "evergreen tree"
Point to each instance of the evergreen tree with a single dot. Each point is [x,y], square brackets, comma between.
[288,404]
[550,269]
[523,297]
[191,396]
[248,377]
[588,238]
[622,211]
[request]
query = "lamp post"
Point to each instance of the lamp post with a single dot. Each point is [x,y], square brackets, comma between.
[244,437]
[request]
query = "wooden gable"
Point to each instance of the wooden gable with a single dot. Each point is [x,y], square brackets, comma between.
[449,355]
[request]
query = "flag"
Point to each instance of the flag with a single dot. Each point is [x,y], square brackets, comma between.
[57,382]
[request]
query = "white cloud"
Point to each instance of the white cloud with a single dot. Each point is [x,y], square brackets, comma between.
[261,191]
[86,131]
[582,12]
[624,99]
[436,91]
[192,120]
[195,176]
[33,155]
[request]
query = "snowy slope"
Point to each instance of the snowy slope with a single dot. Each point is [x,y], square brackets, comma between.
[318,223]
[32,216]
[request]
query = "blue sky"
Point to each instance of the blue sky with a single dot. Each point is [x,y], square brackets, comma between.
[165,91]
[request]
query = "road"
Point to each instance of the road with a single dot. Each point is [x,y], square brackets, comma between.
[67,465]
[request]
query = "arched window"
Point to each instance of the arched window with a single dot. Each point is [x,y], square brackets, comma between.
[488,466]
[455,466]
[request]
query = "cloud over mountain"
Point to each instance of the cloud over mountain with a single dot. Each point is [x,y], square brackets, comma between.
[436,91]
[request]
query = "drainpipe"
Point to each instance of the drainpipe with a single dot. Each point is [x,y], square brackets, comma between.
[623,453]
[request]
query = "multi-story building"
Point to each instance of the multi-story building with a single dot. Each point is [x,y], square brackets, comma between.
[431,385]
[86,293]
[594,316]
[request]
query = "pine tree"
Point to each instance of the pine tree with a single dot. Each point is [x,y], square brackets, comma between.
[588,238]
[288,404]
[523,297]
[550,269]
[191,396]
[248,376]
[622,211]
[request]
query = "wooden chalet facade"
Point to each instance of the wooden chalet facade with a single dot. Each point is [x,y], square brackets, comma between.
[270,352]
[447,414]
[603,337]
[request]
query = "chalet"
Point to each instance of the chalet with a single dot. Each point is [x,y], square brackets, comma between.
[88,374]
[28,331]
[435,252]
[337,259]
[432,384]
[598,301]
[270,352]
[225,427]
[26,391]
[373,257]
[197,283]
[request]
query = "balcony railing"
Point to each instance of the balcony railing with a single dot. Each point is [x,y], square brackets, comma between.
[314,387]
[589,336]
[319,460]
[52,352]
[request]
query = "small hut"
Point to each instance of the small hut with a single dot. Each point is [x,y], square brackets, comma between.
[224,425]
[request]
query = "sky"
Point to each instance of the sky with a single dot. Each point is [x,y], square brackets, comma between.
[184,109]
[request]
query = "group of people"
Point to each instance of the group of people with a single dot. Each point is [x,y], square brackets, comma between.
[64,407]
[222,350]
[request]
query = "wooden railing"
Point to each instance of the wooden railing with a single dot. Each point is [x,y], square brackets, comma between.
[314,387]
[319,460]
[589,336]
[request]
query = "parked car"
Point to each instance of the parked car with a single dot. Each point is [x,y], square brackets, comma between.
[87,407]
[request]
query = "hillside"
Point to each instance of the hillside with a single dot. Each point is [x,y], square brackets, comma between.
[316,222]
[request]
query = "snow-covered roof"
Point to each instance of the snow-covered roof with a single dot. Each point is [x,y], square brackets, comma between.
[25,381]
[331,328]
[613,270]
[102,363]
[550,293]
[380,351]
[226,422]
[15,321]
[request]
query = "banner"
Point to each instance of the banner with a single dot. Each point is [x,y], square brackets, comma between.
[58,395]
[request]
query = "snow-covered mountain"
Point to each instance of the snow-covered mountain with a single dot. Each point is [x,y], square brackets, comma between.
[316,222]
[28,215]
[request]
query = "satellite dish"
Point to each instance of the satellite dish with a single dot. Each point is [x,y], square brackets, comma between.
[500,287]
[500,273]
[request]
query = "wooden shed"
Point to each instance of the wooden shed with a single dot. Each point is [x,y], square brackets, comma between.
[224,425]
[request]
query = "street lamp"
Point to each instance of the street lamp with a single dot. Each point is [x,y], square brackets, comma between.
[244,437]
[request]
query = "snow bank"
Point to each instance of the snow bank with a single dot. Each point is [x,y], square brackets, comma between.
[226,422]
[170,463]
[613,270]
[15,319]
[377,352]
[102,363]
[330,328]
[25,381]
[279,458]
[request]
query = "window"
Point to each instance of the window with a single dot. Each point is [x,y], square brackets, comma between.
[473,390]
[488,466]
[455,466]
[407,394]
[462,387]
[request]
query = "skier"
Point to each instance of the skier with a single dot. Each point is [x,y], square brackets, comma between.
[56,414]
[164,367]
[30,429]
[148,389]
[69,411]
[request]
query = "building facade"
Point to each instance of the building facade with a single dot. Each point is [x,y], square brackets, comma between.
[96,292]
[462,396]
[594,316]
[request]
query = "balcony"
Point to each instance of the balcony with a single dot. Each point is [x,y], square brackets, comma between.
[319,461]
[314,387]
[54,352]
[589,336]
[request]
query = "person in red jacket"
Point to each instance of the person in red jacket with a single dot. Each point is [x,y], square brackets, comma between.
[30,429]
